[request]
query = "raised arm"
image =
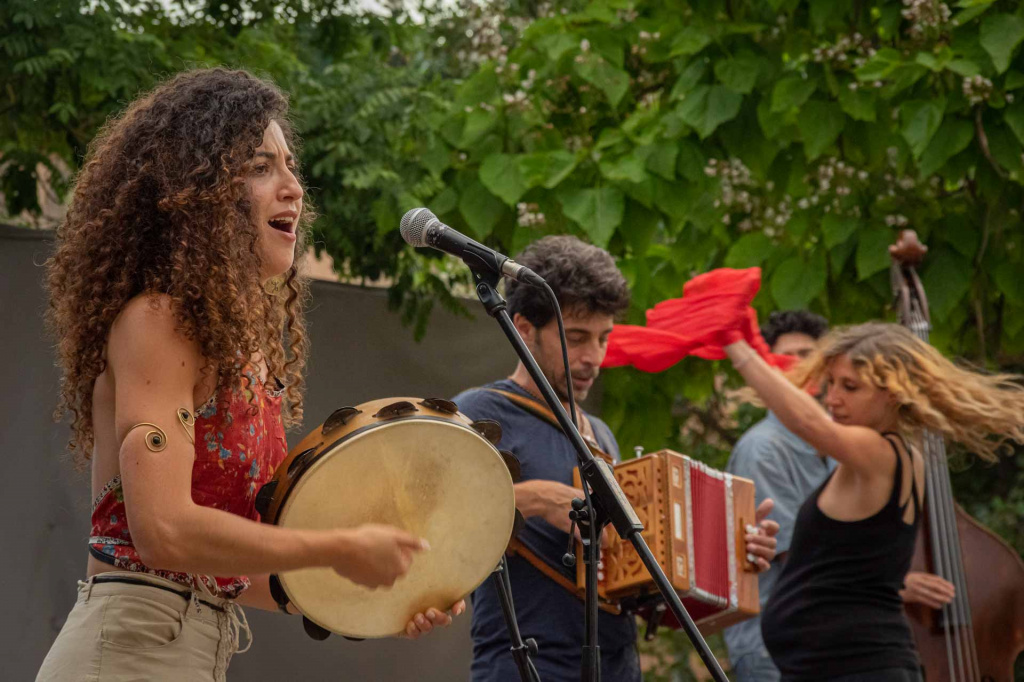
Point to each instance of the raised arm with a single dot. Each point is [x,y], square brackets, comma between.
[155,371]
[858,447]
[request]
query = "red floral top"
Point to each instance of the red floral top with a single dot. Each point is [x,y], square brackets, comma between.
[239,443]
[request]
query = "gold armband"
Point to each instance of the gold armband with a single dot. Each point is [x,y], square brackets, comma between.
[188,422]
[156,439]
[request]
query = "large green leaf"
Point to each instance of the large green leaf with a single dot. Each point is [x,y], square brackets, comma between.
[709,106]
[790,93]
[872,252]
[859,103]
[610,80]
[688,79]
[629,168]
[480,87]
[444,202]
[557,44]
[748,251]
[920,120]
[820,124]
[690,40]
[952,138]
[738,73]
[663,160]
[1000,35]
[947,280]
[691,161]
[1008,278]
[478,123]
[796,283]
[546,169]
[480,208]
[837,229]
[499,173]
[598,211]
[880,65]
[640,226]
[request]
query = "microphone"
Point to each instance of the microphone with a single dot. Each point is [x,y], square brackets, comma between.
[420,227]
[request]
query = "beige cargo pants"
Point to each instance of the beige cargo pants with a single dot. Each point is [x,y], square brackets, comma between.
[120,632]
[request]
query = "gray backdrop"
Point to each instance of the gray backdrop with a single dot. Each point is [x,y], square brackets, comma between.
[360,351]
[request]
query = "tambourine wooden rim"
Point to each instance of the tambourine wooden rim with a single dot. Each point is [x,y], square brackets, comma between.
[414,436]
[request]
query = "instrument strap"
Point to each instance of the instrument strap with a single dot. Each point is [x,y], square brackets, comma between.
[515,546]
[541,411]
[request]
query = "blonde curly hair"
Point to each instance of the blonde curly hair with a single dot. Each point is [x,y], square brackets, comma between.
[979,411]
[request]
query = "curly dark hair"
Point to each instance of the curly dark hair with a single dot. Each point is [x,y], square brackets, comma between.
[583,277]
[793,322]
[161,206]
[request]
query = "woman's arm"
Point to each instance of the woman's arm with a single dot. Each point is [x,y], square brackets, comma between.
[857,447]
[155,371]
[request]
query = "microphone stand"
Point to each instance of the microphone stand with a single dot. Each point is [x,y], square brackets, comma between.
[609,503]
[521,650]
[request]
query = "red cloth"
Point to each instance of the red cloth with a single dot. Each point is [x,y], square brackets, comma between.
[713,312]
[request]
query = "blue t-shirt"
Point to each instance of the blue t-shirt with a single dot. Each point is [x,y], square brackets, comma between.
[545,610]
[788,470]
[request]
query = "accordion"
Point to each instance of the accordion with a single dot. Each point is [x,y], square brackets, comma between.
[695,521]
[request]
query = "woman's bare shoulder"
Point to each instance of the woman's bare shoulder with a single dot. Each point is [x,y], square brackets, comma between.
[147,331]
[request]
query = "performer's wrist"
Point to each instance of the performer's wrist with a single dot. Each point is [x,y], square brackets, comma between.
[740,353]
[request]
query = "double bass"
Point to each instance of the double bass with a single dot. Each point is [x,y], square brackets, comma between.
[977,636]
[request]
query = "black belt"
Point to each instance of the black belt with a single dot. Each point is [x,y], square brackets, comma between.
[186,595]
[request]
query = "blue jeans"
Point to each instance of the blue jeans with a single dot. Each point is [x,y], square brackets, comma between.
[756,666]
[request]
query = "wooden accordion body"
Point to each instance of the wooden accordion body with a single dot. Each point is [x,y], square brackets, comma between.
[694,521]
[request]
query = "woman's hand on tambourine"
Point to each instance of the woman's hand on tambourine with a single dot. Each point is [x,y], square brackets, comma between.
[761,540]
[374,555]
[422,623]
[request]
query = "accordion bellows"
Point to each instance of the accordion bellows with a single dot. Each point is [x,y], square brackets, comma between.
[694,521]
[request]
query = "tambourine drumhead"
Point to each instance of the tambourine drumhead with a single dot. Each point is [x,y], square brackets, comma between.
[433,478]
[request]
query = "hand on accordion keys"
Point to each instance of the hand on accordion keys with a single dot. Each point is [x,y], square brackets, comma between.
[761,540]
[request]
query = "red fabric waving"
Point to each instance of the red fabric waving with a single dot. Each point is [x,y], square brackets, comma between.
[713,312]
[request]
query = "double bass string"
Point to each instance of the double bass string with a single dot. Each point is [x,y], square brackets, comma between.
[943,558]
[957,618]
[914,319]
[961,602]
[940,559]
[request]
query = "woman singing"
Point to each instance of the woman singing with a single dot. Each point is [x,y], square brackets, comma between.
[176,303]
[836,613]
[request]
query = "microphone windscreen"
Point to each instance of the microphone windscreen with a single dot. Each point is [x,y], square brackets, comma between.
[414,226]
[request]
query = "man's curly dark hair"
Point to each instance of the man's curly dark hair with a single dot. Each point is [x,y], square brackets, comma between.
[793,322]
[583,277]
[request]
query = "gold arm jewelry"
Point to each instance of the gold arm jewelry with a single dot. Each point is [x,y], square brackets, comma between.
[156,440]
[188,422]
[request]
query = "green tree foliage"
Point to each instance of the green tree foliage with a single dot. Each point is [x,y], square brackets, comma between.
[795,136]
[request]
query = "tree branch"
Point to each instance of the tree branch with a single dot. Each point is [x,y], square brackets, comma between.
[979,130]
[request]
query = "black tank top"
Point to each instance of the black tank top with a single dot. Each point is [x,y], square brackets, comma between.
[836,607]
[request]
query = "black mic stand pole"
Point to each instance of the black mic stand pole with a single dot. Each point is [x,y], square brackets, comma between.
[521,651]
[609,502]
